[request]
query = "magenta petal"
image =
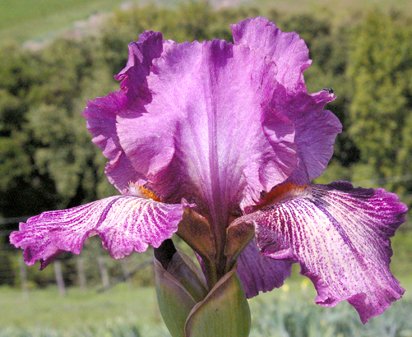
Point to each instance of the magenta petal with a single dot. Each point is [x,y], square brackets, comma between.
[102,112]
[101,122]
[124,223]
[259,273]
[141,54]
[201,135]
[287,51]
[340,236]
[287,56]
[315,130]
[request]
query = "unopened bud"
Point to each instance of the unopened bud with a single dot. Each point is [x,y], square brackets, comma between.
[223,313]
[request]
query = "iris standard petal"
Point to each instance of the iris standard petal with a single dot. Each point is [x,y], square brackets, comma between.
[213,120]
[101,122]
[287,51]
[141,55]
[102,112]
[124,223]
[340,236]
[316,131]
[259,273]
[202,133]
[315,128]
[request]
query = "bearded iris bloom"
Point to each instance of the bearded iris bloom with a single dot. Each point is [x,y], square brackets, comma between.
[219,142]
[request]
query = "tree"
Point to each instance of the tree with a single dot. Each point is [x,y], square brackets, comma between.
[380,70]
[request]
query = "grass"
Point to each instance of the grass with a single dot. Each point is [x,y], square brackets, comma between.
[45,308]
[129,311]
[336,7]
[22,20]
[340,13]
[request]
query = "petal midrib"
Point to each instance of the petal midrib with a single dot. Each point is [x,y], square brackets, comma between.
[216,203]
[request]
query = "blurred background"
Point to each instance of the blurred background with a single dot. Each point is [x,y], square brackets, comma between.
[56,54]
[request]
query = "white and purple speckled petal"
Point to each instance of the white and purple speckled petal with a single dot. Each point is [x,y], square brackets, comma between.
[124,223]
[340,236]
[259,273]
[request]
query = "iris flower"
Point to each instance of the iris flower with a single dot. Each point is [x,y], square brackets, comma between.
[227,132]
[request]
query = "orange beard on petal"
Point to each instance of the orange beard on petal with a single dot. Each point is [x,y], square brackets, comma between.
[278,194]
[143,192]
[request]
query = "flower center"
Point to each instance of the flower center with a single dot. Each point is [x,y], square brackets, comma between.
[142,192]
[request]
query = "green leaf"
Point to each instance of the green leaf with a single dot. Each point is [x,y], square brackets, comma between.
[223,313]
[175,302]
[188,275]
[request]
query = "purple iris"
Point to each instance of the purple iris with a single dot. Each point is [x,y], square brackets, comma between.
[229,131]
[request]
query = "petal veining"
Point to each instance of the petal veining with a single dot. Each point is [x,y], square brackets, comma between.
[124,223]
[340,236]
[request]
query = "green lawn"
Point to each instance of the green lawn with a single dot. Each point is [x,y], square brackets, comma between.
[36,19]
[22,20]
[125,309]
[45,308]
[334,7]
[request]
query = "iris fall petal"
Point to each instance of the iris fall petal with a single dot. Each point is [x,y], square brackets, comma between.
[124,223]
[340,236]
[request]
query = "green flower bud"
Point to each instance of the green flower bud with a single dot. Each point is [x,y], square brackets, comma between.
[223,313]
[175,302]
[179,286]
[188,310]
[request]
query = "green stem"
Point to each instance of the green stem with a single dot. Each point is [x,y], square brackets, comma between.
[211,273]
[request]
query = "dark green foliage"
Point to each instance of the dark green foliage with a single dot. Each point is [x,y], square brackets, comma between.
[380,71]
